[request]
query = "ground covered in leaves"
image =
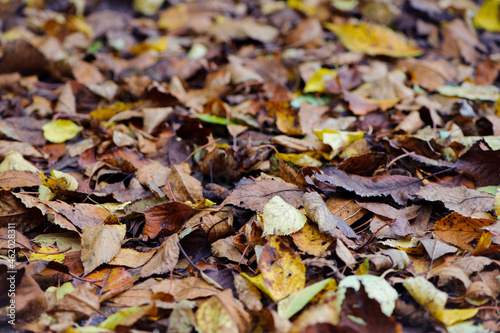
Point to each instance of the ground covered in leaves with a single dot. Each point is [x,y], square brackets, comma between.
[249,166]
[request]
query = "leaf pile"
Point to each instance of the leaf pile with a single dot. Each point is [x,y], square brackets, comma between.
[250,166]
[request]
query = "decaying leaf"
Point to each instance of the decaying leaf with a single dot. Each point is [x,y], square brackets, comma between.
[400,188]
[255,196]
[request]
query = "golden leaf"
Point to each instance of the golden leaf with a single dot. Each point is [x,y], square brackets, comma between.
[374,40]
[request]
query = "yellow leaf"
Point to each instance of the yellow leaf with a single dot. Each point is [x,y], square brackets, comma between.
[212,317]
[303,6]
[434,301]
[487,16]
[337,139]
[78,24]
[147,7]
[317,82]
[428,296]
[280,218]
[126,317]
[374,39]
[282,270]
[310,240]
[150,44]
[296,301]
[304,159]
[60,130]
[112,110]
[497,203]
[15,161]
[58,257]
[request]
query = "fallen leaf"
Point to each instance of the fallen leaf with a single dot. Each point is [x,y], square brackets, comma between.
[481,162]
[374,39]
[165,258]
[282,271]
[459,199]
[186,288]
[400,188]
[434,301]
[61,130]
[460,230]
[310,240]
[487,16]
[255,196]
[471,91]
[281,218]
[376,288]
[296,301]
[166,218]
[100,245]
[436,249]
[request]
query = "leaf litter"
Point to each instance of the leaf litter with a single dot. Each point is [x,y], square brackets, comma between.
[239,166]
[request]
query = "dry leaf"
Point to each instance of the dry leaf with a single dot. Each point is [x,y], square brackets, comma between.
[101,244]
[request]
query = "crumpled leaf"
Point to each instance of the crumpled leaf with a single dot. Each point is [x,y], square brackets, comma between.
[376,287]
[434,301]
[460,230]
[255,196]
[318,211]
[400,188]
[374,39]
[337,139]
[459,199]
[281,218]
[60,130]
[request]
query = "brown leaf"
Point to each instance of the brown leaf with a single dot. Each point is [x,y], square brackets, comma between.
[52,215]
[436,249]
[131,258]
[481,162]
[459,199]
[166,218]
[184,186]
[12,179]
[30,300]
[460,230]
[363,165]
[13,210]
[100,245]
[80,214]
[83,301]
[308,34]
[186,288]
[164,259]
[357,304]
[256,195]
[317,211]
[400,188]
